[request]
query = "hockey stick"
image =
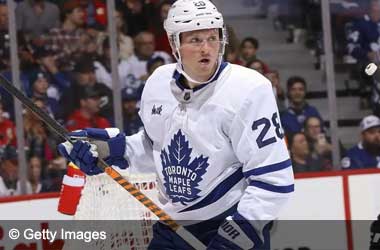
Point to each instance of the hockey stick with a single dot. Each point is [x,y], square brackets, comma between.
[142,198]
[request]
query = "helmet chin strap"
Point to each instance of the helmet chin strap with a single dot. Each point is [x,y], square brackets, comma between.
[181,70]
[189,78]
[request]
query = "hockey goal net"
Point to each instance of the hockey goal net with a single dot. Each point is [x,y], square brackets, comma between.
[104,199]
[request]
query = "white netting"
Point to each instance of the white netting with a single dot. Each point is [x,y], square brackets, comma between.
[104,199]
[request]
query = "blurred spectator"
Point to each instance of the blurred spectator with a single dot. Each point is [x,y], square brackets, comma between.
[36,17]
[144,50]
[87,116]
[137,13]
[292,15]
[9,183]
[35,174]
[132,122]
[152,65]
[257,65]
[302,160]
[157,26]
[125,42]
[5,71]
[38,139]
[274,78]
[363,45]
[231,53]
[232,56]
[319,144]
[103,67]
[4,36]
[40,86]
[9,172]
[92,38]
[3,17]
[366,154]
[47,64]
[293,118]
[69,41]
[25,55]
[84,75]
[248,51]
[7,129]
[56,169]
[363,39]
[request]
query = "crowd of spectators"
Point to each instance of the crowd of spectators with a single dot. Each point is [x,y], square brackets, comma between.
[356,43]
[65,69]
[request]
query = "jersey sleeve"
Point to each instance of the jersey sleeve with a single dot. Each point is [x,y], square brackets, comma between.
[139,150]
[258,141]
[139,153]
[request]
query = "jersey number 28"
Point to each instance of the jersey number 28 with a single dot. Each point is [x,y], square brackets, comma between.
[261,141]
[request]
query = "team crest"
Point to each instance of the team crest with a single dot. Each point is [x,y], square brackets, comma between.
[181,174]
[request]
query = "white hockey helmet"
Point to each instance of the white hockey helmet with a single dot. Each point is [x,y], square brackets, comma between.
[189,15]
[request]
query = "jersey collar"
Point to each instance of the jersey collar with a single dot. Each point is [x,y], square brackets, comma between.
[177,76]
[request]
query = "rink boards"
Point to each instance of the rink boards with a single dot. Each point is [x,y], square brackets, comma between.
[331,210]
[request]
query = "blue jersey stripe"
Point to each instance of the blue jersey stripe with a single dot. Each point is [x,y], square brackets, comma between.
[218,191]
[269,168]
[272,188]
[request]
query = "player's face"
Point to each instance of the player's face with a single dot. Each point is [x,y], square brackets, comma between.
[199,52]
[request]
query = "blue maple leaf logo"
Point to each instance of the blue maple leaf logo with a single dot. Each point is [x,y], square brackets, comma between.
[182,177]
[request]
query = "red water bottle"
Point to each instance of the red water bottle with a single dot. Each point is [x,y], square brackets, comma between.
[72,185]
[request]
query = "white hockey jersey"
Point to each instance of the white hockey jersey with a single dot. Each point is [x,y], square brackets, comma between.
[213,146]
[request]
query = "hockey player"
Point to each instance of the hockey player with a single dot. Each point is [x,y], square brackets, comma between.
[212,135]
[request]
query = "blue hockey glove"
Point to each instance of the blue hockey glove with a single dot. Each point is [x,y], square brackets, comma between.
[82,154]
[110,144]
[237,233]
